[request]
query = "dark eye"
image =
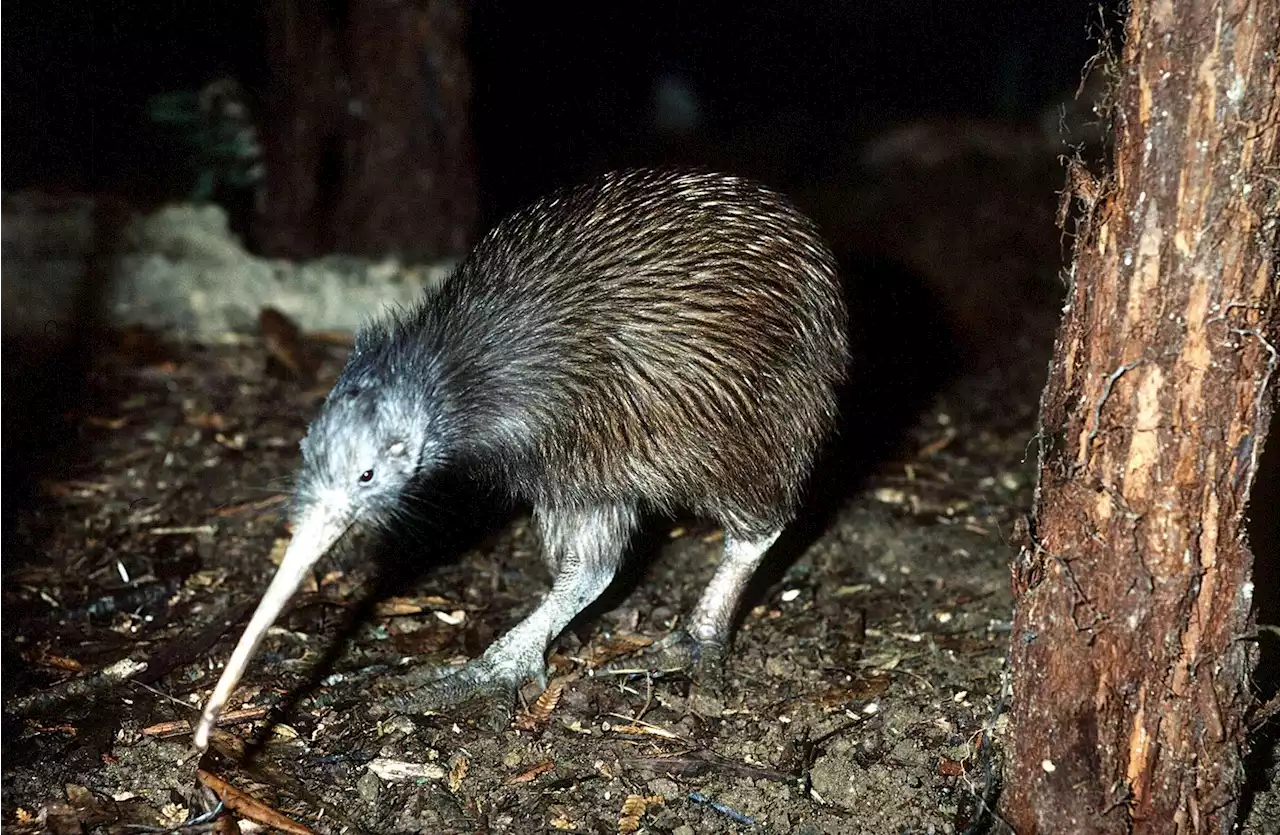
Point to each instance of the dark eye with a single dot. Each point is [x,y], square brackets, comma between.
[366,476]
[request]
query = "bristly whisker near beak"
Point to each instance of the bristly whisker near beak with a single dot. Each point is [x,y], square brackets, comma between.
[316,530]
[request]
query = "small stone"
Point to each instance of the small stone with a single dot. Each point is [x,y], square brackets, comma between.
[369,787]
[664,819]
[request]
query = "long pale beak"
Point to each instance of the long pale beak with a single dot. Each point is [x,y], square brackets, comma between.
[317,529]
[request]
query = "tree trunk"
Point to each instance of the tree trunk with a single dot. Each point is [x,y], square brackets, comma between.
[299,125]
[1131,664]
[366,138]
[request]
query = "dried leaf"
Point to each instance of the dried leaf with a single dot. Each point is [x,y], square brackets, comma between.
[59,662]
[937,445]
[548,701]
[74,489]
[540,711]
[397,606]
[458,768]
[173,815]
[393,606]
[633,808]
[619,645]
[212,420]
[80,796]
[278,547]
[104,422]
[531,774]
[247,807]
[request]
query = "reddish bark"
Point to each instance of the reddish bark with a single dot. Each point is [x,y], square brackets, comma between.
[1130,677]
[367,138]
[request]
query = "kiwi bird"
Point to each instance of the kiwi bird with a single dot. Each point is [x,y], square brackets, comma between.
[650,341]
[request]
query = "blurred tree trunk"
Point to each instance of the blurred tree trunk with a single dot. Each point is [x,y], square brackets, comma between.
[366,131]
[1131,668]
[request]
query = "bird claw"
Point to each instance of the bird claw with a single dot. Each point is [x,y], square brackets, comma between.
[437,689]
[680,652]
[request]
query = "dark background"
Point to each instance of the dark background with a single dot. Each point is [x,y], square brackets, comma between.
[558,89]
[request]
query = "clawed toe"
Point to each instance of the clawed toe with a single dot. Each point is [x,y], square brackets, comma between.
[436,691]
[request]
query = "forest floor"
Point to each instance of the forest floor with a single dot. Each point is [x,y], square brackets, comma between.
[867,679]
[145,502]
[863,677]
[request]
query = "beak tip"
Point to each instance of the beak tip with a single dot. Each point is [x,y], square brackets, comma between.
[310,541]
[201,738]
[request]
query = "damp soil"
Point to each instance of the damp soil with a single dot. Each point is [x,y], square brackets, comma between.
[864,689]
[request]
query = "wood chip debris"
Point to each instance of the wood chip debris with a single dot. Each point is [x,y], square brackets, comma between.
[75,489]
[185,530]
[395,771]
[180,727]
[207,420]
[247,807]
[889,495]
[400,606]
[636,727]
[105,423]
[86,686]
